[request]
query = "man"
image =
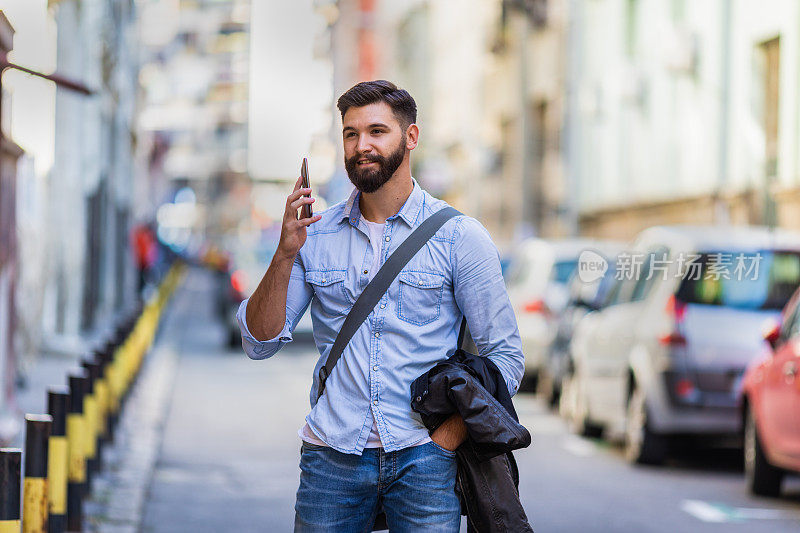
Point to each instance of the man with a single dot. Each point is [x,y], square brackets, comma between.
[364,450]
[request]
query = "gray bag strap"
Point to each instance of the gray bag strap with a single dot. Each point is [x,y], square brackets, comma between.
[375,289]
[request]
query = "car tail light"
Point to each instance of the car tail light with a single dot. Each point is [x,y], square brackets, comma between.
[672,339]
[677,310]
[685,389]
[536,306]
[239,281]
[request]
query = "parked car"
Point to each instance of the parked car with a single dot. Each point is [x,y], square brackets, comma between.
[771,407]
[238,281]
[536,278]
[666,355]
[584,297]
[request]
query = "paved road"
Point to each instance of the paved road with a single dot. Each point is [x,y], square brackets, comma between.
[229,456]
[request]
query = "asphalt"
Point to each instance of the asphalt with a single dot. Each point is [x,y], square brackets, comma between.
[228,453]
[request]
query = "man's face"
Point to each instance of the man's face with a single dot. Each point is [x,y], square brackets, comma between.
[374,145]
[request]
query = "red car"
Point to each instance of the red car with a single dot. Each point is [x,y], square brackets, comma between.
[771,406]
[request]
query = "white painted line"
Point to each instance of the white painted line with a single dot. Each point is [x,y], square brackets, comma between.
[704,511]
[766,514]
[578,446]
[718,512]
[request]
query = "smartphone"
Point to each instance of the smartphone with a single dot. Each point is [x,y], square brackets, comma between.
[305,210]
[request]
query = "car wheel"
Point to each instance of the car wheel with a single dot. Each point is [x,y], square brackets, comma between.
[529,382]
[577,409]
[642,446]
[762,478]
[547,389]
[566,403]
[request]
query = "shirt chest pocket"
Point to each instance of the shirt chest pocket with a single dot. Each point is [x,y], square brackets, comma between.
[329,289]
[420,298]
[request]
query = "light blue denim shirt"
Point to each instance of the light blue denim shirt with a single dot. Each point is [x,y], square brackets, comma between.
[415,325]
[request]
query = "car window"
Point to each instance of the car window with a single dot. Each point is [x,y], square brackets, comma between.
[791,326]
[755,280]
[562,270]
[652,270]
[617,294]
[605,286]
[516,270]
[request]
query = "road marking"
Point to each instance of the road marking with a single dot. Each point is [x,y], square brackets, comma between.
[767,514]
[718,512]
[704,511]
[578,446]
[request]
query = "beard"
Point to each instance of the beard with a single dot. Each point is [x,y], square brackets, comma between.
[370,180]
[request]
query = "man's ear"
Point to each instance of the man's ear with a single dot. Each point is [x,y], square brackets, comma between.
[412,136]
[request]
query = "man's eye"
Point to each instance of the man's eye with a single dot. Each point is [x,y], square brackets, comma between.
[376,132]
[349,134]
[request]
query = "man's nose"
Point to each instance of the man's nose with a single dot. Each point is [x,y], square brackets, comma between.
[364,145]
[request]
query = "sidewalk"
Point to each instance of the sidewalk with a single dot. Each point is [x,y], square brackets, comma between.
[48,371]
[230,451]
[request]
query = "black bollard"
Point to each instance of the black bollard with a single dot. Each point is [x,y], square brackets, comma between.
[94,409]
[58,460]
[35,493]
[76,435]
[10,470]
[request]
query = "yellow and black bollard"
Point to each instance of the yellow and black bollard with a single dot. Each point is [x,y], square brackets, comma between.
[89,420]
[57,460]
[92,410]
[76,435]
[106,356]
[35,505]
[10,463]
[101,387]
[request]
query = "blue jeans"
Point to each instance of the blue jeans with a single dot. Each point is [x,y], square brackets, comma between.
[341,492]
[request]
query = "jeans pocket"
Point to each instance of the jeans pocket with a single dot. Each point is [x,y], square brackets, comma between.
[441,450]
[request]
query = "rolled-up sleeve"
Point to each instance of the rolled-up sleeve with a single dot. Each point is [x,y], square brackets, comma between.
[481,295]
[298,297]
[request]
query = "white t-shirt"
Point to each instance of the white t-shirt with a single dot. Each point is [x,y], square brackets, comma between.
[375,239]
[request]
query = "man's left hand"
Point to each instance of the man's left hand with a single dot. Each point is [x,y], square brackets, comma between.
[451,433]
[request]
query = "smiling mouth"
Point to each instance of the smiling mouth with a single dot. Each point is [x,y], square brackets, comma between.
[366,162]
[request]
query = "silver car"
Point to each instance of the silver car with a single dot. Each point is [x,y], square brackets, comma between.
[536,279]
[666,353]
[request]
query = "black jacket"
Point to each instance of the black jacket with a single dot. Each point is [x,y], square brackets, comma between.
[488,478]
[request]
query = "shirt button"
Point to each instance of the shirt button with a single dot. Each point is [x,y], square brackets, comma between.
[383,306]
[375,402]
[387,239]
[366,271]
[323,280]
[420,282]
[375,368]
[377,334]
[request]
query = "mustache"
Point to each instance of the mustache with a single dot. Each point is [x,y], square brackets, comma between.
[372,158]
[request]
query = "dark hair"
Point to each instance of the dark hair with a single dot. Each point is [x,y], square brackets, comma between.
[370,92]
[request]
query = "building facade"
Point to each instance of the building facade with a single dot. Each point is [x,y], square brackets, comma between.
[89,278]
[685,112]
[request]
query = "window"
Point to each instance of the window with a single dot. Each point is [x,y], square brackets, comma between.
[769,286]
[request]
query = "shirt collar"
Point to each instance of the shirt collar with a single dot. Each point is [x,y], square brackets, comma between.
[409,212]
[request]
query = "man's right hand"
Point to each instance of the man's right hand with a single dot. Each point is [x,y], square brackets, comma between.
[293,229]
